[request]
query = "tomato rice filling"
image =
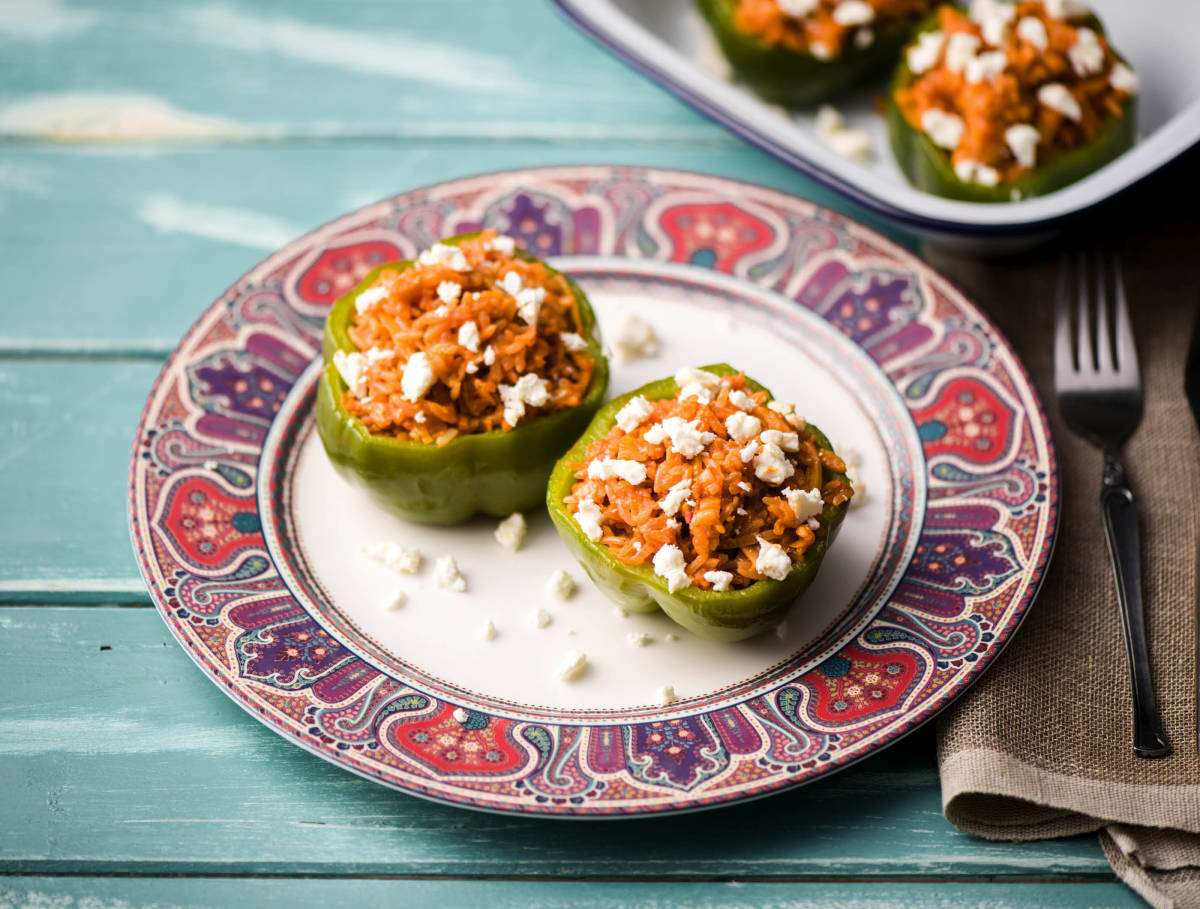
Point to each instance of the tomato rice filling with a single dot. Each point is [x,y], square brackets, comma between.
[715,488]
[822,28]
[469,339]
[1009,86]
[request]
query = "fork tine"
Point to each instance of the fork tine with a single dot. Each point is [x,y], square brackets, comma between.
[1127,359]
[1064,364]
[1104,352]
[1083,322]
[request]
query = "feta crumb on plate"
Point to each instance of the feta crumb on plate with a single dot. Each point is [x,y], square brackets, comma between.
[403,559]
[488,631]
[635,338]
[460,715]
[665,695]
[572,666]
[510,533]
[540,617]
[397,600]
[447,576]
[561,584]
[638,638]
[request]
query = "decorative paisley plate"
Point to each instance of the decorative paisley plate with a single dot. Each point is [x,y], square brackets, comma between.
[252,547]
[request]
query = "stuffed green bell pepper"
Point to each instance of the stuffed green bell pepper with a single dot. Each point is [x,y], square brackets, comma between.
[704,497]
[453,383]
[800,52]
[1006,101]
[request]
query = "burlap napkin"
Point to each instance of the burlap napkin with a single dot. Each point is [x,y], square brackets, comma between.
[1040,747]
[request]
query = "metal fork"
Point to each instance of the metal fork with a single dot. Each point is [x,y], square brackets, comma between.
[1099,391]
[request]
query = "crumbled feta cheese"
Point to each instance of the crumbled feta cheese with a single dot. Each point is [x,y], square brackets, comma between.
[685,435]
[379,354]
[620,612]
[638,638]
[807,503]
[853,12]
[488,631]
[944,128]
[749,451]
[561,585]
[971,171]
[441,312]
[820,50]
[635,338]
[460,715]
[741,400]
[720,580]
[529,304]
[665,695]
[851,143]
[813,524]
[510,533]
[854,144]
[397,600]
[572,341]
[444,254]
[449,291]
[924,55]
[788,412]
[1058,97]
[743,486]
[689,374]
[418,376]
[864,37]
[1067,9]
[1031,29]
[573,664]
[468,336]
[740,511]
[447,576]
[985,67]
[403,559]
[420,417]
[993,18]
[369,298]
[742,427]
[669,564]
[530,389]
[828,120]
[504,244]
[633,414]
[489,356]
[798,8]
[1086,54]
[1022,140]
[772,561]
[960,47]
[697,391]
[540,618]
[771,466]
[788,441]
[587,516]
[675,497]
[632,472]
[1123,79]
[511,283]
[471,368]
[353,369]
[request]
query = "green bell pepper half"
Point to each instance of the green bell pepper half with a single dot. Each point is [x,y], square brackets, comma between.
[729,616]
[796,78]
[493,473]
[928,167]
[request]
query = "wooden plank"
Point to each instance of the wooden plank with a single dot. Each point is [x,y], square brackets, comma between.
[118,756]
[196,893]
[113,253]
[274,69]
[68,429]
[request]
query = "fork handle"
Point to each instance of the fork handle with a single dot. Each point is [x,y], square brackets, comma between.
[1124,551]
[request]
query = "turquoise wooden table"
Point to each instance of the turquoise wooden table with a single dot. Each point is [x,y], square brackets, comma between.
[152,153]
